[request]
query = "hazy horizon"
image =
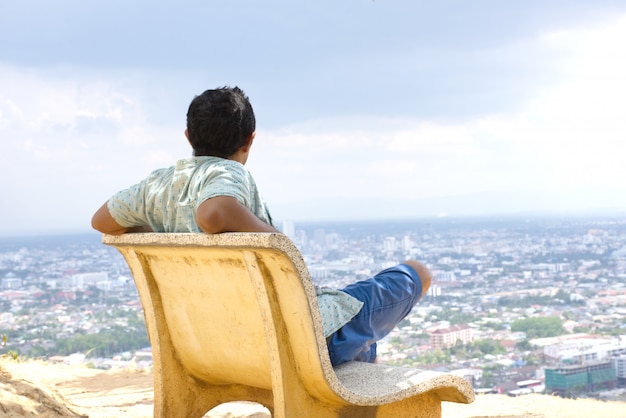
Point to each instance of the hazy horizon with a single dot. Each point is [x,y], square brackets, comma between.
[364,109]
[309,224]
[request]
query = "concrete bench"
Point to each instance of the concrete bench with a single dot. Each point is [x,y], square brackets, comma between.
[235,317]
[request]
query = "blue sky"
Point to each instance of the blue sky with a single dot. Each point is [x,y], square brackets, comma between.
[365,109]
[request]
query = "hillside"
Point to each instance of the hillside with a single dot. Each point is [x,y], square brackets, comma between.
[43,390]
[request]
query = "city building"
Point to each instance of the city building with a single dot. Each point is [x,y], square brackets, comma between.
[289,229]
[447,337]
[577,379]
[620,370]
[584,350]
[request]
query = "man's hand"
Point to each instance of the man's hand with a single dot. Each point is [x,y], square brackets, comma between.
[226,214]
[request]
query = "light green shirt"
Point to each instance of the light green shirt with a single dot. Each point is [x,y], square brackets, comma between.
[168,199]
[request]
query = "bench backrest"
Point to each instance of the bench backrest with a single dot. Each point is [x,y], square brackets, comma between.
[238,308]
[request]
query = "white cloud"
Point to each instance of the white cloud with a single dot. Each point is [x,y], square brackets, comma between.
[569,137]
[69,142]
[71,138]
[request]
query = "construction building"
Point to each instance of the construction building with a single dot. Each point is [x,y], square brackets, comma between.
[573,380]
[620,370]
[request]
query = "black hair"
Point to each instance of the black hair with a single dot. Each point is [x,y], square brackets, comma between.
[219,122]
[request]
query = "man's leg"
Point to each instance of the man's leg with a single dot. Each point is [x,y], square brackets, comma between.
[387,298]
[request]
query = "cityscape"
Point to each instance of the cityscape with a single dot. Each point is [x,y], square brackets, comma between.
[517,305]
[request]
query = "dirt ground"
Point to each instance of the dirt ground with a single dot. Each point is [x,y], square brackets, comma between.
[42,390]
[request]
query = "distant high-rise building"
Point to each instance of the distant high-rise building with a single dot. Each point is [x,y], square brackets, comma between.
[390,245]
[388,263]
[319,236]
[318,272]
[444,276]
[434,291]
[407,243]
[11,282]
[301,238]
[83,280]
[289,229]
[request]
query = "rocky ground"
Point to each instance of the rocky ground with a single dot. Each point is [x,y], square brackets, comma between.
[43,390]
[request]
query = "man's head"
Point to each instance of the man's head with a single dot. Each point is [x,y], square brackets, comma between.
[220,122]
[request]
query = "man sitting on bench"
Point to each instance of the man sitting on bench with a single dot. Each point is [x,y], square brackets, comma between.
[213,192]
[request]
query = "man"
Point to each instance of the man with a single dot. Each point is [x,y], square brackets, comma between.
[213,192]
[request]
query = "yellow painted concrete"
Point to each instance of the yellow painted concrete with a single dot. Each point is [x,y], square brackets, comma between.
[235,317]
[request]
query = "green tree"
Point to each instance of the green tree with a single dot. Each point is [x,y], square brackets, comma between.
[524,345]
[489,347]
[105,343]
[539,327]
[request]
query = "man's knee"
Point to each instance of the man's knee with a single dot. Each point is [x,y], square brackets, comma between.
[423,272]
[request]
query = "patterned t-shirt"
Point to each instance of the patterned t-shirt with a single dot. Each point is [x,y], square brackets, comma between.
[168,198]
[167,201]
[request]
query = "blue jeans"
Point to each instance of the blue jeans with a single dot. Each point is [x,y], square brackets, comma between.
[387,298]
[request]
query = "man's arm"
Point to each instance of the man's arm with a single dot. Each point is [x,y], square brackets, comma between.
[226,214]
[103,221]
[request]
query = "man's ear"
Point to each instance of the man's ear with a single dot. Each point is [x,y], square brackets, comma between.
[189,141]
[246,148]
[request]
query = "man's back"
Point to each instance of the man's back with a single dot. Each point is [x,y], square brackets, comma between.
[168,199]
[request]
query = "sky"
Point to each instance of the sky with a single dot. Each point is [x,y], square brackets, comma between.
[365,109]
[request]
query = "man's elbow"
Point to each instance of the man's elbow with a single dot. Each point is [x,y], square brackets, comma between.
[102,221]
[211,223]
[106,229]
[97,224]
